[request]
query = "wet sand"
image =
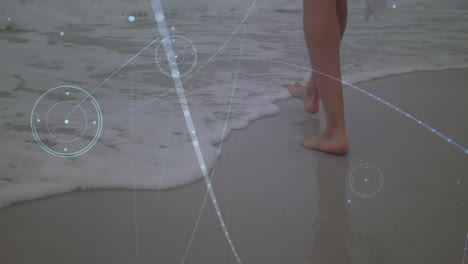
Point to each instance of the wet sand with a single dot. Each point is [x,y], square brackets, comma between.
[399,196]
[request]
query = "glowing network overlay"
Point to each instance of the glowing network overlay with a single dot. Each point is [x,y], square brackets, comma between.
[426,126]
[464,249]
[433,130]
[40,122]
[221,143]
[459,3]
[178,58]
[88,95]
[352,181]
[186,79]
[164,32]
[179,88]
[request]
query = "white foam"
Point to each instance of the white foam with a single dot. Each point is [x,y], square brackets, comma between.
[408,38]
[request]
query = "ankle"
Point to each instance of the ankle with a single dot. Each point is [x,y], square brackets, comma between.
[335,130]
[311,89]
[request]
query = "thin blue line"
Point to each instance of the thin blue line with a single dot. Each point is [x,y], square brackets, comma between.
[220,146]
[456,7]
[164,32]
[449,140]
[464,249]
[201,67]
[135,219]
[115,72]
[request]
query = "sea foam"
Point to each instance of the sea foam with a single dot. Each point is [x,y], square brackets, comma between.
[145,143]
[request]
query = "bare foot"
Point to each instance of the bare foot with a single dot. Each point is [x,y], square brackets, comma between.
[295,90]
[308,94]
[327,142]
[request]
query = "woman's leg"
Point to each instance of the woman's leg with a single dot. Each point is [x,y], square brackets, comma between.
[322,33]
[312,97]
[342,12]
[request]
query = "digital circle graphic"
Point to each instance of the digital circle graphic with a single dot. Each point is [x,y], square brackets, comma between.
[183,56]
[66,121]
[366,180]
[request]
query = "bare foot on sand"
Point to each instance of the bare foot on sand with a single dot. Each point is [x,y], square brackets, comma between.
[308,94]
[330,142]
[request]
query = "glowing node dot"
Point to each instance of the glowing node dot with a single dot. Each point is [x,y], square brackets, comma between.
[176,63]
[458,182]
[193,131]
[62,33]
[50,120]
[433,130]
[364,181]
[449,140]
[349,201]
[159,17]
[466,151]
[173,28]
[394,6]
[131,19]
[9,19]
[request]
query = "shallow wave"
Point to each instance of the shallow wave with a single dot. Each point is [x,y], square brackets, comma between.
[98,38]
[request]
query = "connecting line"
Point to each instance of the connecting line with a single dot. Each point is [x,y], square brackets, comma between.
[164,32]
[204,64]
[220,146]
[464,250]
[137,248]
[460,2]
[163,171]
[224,44]
[112,75]
[449,140]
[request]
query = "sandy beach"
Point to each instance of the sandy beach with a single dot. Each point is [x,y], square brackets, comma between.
[399,196]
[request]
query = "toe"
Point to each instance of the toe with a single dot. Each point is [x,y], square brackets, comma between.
[310,143]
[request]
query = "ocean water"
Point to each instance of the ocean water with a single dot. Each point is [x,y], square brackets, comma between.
[240,71]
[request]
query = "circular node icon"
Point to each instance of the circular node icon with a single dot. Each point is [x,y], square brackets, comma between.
[366,180]
[180,61]
[66,121]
